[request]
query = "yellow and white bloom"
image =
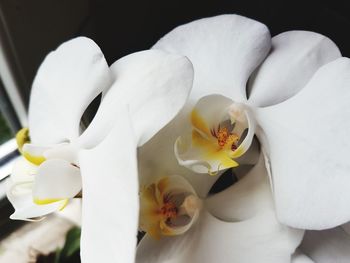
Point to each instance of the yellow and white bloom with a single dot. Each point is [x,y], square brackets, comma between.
[222,131]
[168,207]
[293,88]
[296,83]
[142,92]
[37,169]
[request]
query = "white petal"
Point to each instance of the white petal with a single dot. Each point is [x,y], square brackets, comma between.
[36,149]
[212,109]
[110,197]
[257,238]
[67,81]
[23,171]
[155,85]
[224,51]
[25,208]
[295,56]
[56,179]
[307,142]
[247,197]
[327,246]
[65,151]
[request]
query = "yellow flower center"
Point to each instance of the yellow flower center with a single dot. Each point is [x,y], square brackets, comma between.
[225,138]
[169,210]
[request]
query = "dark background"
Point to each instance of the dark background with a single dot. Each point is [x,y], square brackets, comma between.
[33,28]
[124,27]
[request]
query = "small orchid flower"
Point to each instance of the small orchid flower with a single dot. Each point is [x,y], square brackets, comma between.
[218,135]
[297,96]
[168,207]
[103,157]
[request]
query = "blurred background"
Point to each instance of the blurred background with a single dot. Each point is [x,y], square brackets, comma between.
[29,29]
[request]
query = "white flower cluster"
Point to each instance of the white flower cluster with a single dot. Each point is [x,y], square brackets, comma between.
[209,96]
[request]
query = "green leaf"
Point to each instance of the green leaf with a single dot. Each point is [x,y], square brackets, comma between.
[71,246]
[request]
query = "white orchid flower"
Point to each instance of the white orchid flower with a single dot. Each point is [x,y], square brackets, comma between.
[304,79]
[142,93]
[297,96]
[169,206]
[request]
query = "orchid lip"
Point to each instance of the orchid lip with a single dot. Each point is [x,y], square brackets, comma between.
[169,207]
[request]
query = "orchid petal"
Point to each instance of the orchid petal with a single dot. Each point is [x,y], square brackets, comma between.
[246,198]
[27,210]
[23,171]
[22,137]
[67,81]
[34,153]
[213,240]
[65,151]
[224,51]
[110,196]
[154,84]
[56,179]
[201,156]
[326,246]
[19,188]
[295,56]
[208,112]
[306,140]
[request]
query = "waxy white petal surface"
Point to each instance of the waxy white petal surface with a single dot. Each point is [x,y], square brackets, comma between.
[67,81]
[295,56]
[154,84]
[224,51]
[110,197]
[56,179]
[307,141]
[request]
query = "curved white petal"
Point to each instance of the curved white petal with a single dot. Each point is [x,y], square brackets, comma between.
[224,51]
[246,198]
[110,197]
[56,179]
[23,171]
[36,149]
[155,85]
[211,110]
[327,246]
[64,151]
[257,238]
[295,56]
[67,81]
[25,208]
[307,141]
